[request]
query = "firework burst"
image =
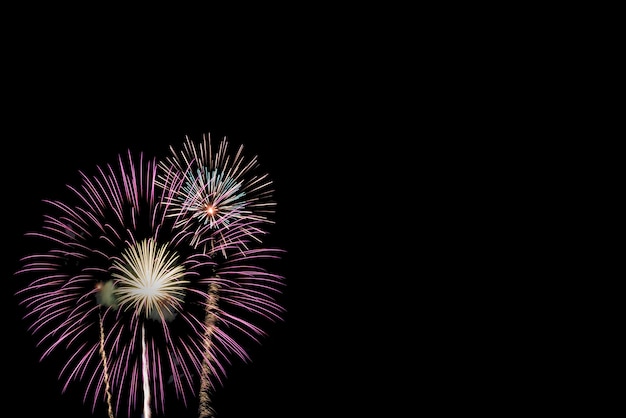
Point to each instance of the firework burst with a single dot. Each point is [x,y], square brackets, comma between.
[149,281]
[218,198]
[153,277]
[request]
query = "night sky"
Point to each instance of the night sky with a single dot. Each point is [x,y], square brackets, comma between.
[390,144]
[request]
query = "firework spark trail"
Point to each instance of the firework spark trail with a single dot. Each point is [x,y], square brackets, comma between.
[146,383]
[105,370]
[205,410]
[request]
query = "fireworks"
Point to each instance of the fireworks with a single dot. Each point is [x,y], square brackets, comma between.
[154,276]
[149,281]
[220,199]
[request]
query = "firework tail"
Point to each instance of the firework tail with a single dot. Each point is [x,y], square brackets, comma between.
[106,370]
[205,410]
[146,385]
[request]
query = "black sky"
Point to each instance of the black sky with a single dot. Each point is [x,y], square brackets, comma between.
[373,130]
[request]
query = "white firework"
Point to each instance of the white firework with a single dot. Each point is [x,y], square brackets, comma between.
[149,279]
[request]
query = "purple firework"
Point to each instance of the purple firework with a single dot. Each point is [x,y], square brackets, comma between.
[140,301]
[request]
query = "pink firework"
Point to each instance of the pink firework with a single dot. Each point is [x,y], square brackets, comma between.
[127,291]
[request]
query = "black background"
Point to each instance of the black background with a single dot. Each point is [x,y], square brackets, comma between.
[380,133]
[409,154]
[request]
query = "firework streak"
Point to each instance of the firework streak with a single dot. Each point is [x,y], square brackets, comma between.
[148,283]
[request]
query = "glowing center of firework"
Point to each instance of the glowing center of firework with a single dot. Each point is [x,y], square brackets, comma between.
[207,189]
[149,280]
[210,210]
